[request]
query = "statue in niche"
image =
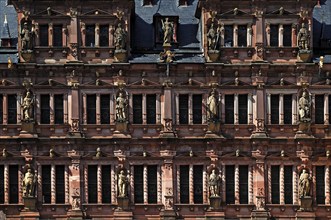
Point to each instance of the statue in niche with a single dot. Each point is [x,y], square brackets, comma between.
[27,106]
[122,184]
[304,184]
[214,184]
[303,37]
[212,37]
[304,107]
[120,37]
[121,107]
[212,106]
[168,31]
[29,184]
[26,37]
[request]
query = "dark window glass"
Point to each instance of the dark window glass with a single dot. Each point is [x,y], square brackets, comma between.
[242,35]
[197,109]
[184,184]
[46,183]
[319,109]
[43,35]
[148,2]
[229,185]
[12,109]
[242,99]
[57,35]
[59,186]
[104,35]
[274,109]
[44,109]
[229,109]
[137,109]
[13,184]
[274,35]
[320,185]
[288,186]
[243,184]
[90,36]
[91,109]
[287,109]
[92,184]
[2,186]
[106,183]
[1,109]
[197,184]
[152,184]
[151,109]
[275,185]
[105,109]
[138,184]
[183,109]
[58,109]
[287,35]
[228,35]
[329,109]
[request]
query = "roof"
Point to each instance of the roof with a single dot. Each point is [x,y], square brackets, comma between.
[322,22]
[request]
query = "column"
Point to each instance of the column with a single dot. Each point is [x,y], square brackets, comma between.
[178,183]
[19,110]
[51,105]
[313,108]
[86,182]
[66,185]
[177,108]
[99,184]
[64,36]
[132,182]
[222,106]
[236,184]
[295,186]
[294,35]
[281,109]
[4,109]
[204,185]
[280,35]
[111,107]
[82,32]
[97,35]
[6,183]
[269,184]
[84,109]
[111,36]
[190,112]
[268,34]
[39,184]
[281,185]
[250,108]
[50,34]
[37,101]
[269,108]
[65,108]
[113,184]
[145,184]
[98,109]
[144,109]
[158,108]
[249,35]
[294,109]
[235,35]
[191,185]
[236,109]
[222,30]
[53,179]
[327,185]
[250,185]
[36,34]
[159,185]
[130,109]
[326,109]
[20,188]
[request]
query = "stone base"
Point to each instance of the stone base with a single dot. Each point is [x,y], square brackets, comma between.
[168,215]
[75,215]
[27,56]
[75,134]
[123,203]
[306,204]
[304,127]
[30,203]
[214,126]
[28,130]
[122,215]
[215,216]
[121,127]
[259,134]
[259,215]
[29,215]
[215,203]
[305,216]
[213,55]
[168,134]
[304,56]
[121,56]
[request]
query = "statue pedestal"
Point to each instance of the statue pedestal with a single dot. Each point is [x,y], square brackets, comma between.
[213,130]
[121,129]
[213,55]
[304,56]
[305,216]
[259,215]
[304,128]
[306,203]
[29,212]
[168,215]
[75,215]
[30,203]
[122,212]
[123,203]
[27,56]
[215,215]
[28,130]
[215,203]
[121,56]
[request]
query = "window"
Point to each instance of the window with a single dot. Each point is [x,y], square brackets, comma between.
[90,36]
[2,184]
[320,185]
[229,185]
[319,109]
[197,109]
[12,109]
[228,35]
[59,184]
[105,109]
[197,184]
[46,183]
[242,109]
[13,184]
[138,184]
[152,184]
[44,109]
[91,109]
[151,108]
[106,183]
[242,35]
[1,109]
[329,109]
[58,109]
[104,36]
[274,109]
[229,109]
[184,184]
[287,35]
[183,109]
[288,184]
[275,185]
[43,35]
[92,184]
[137,109]
[57,35]
[287,109]
[243,184]
[274,35]
[148,2]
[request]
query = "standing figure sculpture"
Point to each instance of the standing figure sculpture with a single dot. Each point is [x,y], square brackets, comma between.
[212,107]
[214,184]
[121,107]
[304,107]
[122,184]
[212,37]
[304,184]
[303,37]
[120,37]
[27,106]
[26,38]
[168,31]
[29,184]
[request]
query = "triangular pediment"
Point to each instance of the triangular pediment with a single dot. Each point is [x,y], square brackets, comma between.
[235,82]
[96,12]
[6,82]
[234,12]
[144,82]
[51,82]
[280,11]
[281,82]
[192,82]
[51,12]
[97,82]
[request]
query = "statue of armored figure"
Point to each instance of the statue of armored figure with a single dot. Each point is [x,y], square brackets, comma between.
[212,37]
[29,183]
[121,107]
[304,107]
[214,184]
[120,38]
[303,37]
[212,107]
[27,106]
[304,184]
[122,184]
[26,38]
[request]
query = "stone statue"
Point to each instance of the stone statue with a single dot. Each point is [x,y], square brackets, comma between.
[122,184]
[121,107]
[212,37]
[27,106]
[29,184]
[26,38]
[304,184]
[168,31]
[214,184]
[303,37]
[120,38]
[212,105]
[304,107]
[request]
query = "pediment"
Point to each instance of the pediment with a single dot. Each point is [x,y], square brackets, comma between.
[235,82]
[192,82]
[97,82]
[280,11]
[51,12]
[281,82]
[96,12]
[234,12]
[6,82]
[51,82]
[144,82]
